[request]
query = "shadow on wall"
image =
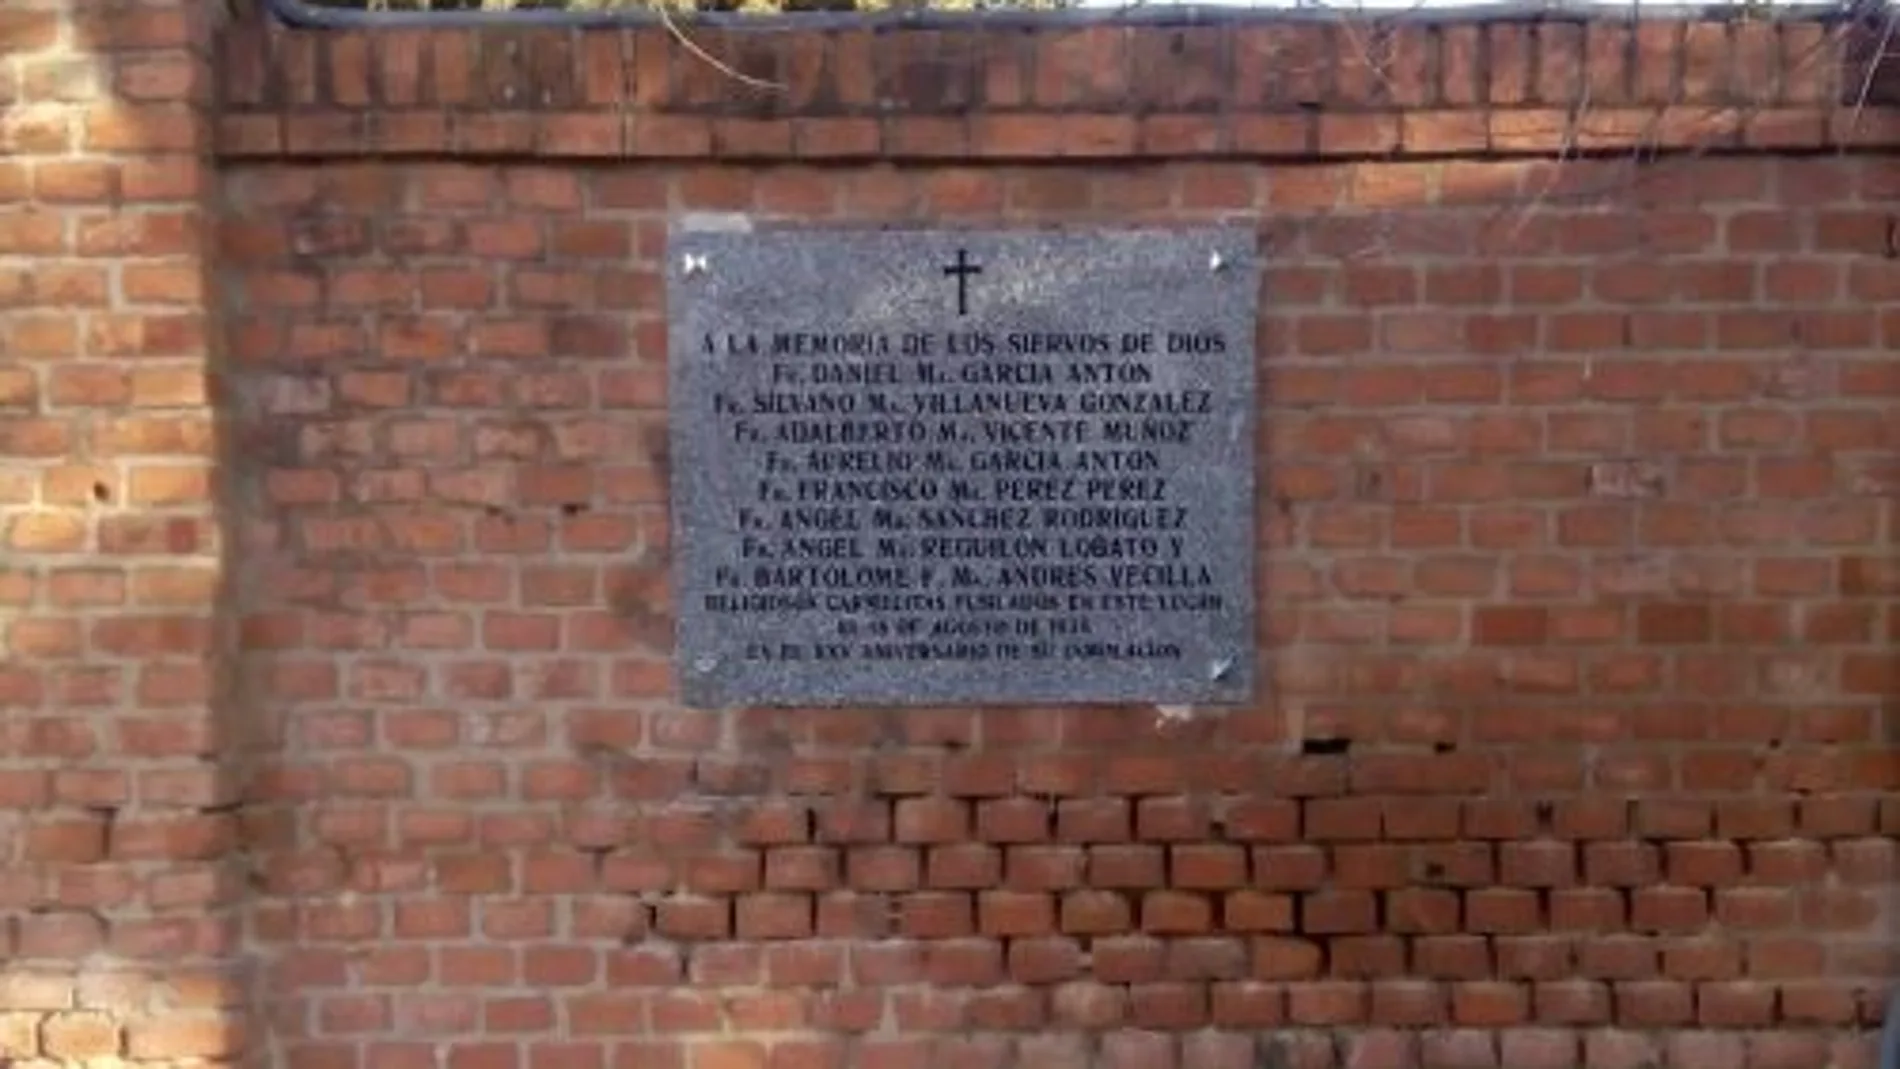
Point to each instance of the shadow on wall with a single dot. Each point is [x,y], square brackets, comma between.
[437,457]
[473,775]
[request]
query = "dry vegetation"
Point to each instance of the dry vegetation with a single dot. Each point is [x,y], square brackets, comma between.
[761,6]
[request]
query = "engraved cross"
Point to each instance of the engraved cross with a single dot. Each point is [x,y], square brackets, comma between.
[961,271]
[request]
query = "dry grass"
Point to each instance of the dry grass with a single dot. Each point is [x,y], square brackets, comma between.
[760,6]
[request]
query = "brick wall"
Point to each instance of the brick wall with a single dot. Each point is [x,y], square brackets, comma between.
[119,934]
[338,728]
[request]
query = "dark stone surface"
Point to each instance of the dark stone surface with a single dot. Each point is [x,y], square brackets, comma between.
[879,500]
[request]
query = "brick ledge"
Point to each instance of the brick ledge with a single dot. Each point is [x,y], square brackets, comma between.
[1269,91]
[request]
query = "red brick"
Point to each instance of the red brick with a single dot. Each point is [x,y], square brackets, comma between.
[1577,821]
[778,916]
[80,1035]
[1176,913]
[181,1036]
[932,820]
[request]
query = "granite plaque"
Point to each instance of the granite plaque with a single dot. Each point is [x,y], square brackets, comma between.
[951,467]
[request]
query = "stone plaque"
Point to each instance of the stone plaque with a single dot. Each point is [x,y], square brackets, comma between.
[951,467]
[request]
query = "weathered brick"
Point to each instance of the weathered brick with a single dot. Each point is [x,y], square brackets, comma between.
[1579,627]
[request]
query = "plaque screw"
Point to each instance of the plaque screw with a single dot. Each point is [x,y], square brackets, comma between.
[1215,261]
[694,263]
[1218,670]
[705,665]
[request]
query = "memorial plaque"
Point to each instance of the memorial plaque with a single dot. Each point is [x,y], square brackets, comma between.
[949,467]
